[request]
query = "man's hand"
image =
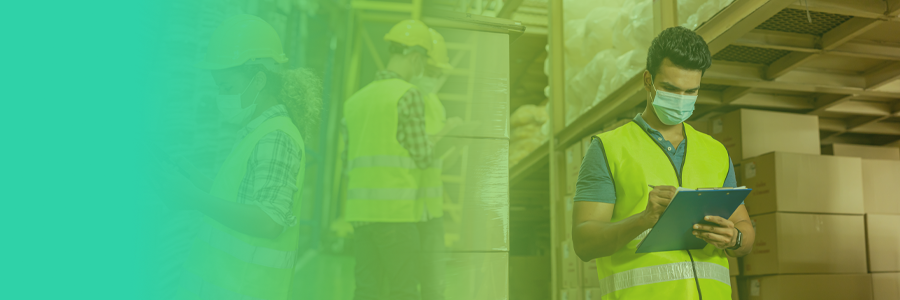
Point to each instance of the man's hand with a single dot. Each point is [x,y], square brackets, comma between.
[722,234]
[658,200]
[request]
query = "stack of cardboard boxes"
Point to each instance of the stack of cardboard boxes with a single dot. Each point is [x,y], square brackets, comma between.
[809,210]
[881,203]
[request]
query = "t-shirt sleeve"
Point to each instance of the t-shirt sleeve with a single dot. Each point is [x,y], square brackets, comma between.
[595,183]
[730,181]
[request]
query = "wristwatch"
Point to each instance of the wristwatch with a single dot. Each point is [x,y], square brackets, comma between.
[737,244]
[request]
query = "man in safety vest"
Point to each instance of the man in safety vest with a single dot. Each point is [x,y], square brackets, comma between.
[616,207]
[388,154]
[249,237]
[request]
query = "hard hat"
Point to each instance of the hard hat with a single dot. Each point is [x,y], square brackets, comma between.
[240,39]
[438,56]
[410,33]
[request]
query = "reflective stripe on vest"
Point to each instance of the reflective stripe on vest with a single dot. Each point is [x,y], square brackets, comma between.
[635,161]
[243,251]
[663,273]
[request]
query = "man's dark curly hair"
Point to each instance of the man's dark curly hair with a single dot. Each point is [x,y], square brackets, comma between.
[680,45]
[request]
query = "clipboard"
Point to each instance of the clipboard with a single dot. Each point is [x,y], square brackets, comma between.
[673,230]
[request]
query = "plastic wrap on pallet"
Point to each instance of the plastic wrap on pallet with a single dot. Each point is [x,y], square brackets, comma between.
[476,202]
[477,276]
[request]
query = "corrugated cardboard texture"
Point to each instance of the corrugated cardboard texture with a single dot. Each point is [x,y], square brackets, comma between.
[573,165]
[819,287]
[529,277]
[747,133]
[880,179]
[862,151]
[886,286]
[790,182]
[482,276]
[477,211]
[883,238]
[791,243]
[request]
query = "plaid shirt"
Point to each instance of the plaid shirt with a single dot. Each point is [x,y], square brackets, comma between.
[411,123]
[271,179]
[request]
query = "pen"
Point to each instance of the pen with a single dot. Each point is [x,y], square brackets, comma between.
[651,186]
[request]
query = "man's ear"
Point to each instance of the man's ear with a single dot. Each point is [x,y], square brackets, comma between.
[648,80]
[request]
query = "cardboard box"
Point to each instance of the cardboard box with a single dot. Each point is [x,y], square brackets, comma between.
[886,286]
[701,126]
[570,266]
[816,286]
[481,276]
[747,133]
[883,238]
[592,294]
[570,294]
[880,178]
[790,182]
[791,243]
[734,268]
[862,151]
[589,276]
[573,165]
[734,289]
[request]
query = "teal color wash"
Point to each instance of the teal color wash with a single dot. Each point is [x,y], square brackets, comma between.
[76,83]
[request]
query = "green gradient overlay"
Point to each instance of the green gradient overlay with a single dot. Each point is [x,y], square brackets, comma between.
[101,96]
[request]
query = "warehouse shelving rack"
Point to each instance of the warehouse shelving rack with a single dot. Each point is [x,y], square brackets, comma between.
[838,60]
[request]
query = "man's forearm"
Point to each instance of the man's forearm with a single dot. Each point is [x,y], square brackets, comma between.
[749,237]
[593,239]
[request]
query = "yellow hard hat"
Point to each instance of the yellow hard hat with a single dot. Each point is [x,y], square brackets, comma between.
[410,33]
[240,39]
[438,56]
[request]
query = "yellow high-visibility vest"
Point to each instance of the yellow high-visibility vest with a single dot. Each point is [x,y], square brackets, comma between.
[227,264]
[636,160]
[383,178]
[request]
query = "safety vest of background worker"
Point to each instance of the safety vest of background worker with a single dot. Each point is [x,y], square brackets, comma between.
[225,263]
[384,182]
[637,156]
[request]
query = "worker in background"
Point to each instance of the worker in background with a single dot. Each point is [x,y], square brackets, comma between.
[437,125]
[247,245]
[388,151]
[615,208]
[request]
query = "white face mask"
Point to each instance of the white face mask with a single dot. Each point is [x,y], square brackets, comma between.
[230,106]
[427,85]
